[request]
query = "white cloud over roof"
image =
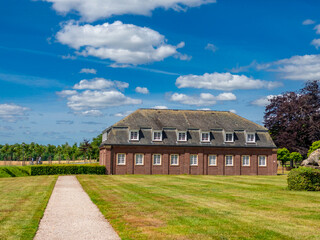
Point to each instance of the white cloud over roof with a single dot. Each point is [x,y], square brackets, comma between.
[204,99]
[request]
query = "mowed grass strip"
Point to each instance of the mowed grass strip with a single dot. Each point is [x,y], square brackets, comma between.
[204,207]
[22,204]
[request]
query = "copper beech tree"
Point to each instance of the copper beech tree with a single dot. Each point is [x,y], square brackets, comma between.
[293,118]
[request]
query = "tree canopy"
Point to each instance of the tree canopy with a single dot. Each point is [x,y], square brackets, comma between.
[293,118]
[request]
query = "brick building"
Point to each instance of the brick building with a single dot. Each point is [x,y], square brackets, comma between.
[151,141]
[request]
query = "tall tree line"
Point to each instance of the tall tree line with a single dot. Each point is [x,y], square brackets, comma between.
[23,151]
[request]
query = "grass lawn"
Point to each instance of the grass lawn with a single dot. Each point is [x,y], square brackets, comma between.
[204,207]
[22,203]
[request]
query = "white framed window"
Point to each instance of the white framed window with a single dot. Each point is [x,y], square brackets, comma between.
[121,159]
[174,159]
[182,136]
[205,137]
[245,160]
[104,136]
[229,137]
[229,160]
[212,160]
[139,159]
[156,159]
[251,137]
[193,159]
[134,135]
[157,136]
[262,160]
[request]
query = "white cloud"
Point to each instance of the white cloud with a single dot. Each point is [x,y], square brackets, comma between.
[316,43]
[204,109]
[99,83]
[99,100]
[91,113]
[305,67]
[308,22]
[122,43]
[317,28]
[123,114]
[263,101]
[205,99]
[160,107]
[223,81]
[211,47]
[12,112]
[88,70]
[233,111]
[97,9]
[142,90]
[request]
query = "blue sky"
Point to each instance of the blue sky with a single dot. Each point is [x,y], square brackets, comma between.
[69,69]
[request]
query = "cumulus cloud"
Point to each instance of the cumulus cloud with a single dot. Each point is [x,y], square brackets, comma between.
[160,107]
[317,28]
[88,70]
[97,9]
[233,111]
[306,67]
[211,47]
[91,113]
[121,43]
[66,93]
[205,99]
[316,43]
[263,101]
[12,112]
[223,81]
[308,22]
[123,114]
[142,90]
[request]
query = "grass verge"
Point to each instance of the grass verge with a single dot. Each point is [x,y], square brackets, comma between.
[22,204]
[204,207]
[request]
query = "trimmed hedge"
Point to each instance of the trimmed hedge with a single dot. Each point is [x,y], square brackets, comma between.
[14,171]
[67,169]
[304,178]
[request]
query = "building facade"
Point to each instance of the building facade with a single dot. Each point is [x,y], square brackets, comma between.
[151,141]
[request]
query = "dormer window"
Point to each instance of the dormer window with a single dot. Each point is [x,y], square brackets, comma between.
[251,138]
[104,136]
[157,136]
[134,135]
[205,137]
[182,136]
[229,137]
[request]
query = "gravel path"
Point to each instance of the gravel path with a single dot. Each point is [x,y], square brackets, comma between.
[71,214]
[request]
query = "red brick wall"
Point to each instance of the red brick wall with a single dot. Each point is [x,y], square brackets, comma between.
[108,157]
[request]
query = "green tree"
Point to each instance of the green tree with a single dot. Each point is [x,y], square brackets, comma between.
[315,145]
[295,157]
[283,155]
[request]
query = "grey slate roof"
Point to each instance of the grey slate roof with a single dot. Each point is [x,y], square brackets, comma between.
[192,121]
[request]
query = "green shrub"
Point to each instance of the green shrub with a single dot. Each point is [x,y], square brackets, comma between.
[67,169]
[304,178]
[14,171]
[315,145]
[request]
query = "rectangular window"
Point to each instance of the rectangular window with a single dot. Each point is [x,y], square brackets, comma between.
[104,137]
[174,159]
[262,161]
[212,160]
[205,137]
[139,159]
[229,160]
[245,160]
[229,137]
[182,136]
[156,159]
[157,136]
[134,135]
[121,159]
[193,160]
[251,137]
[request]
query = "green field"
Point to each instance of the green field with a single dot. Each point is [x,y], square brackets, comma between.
[22,203]
[205,207]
